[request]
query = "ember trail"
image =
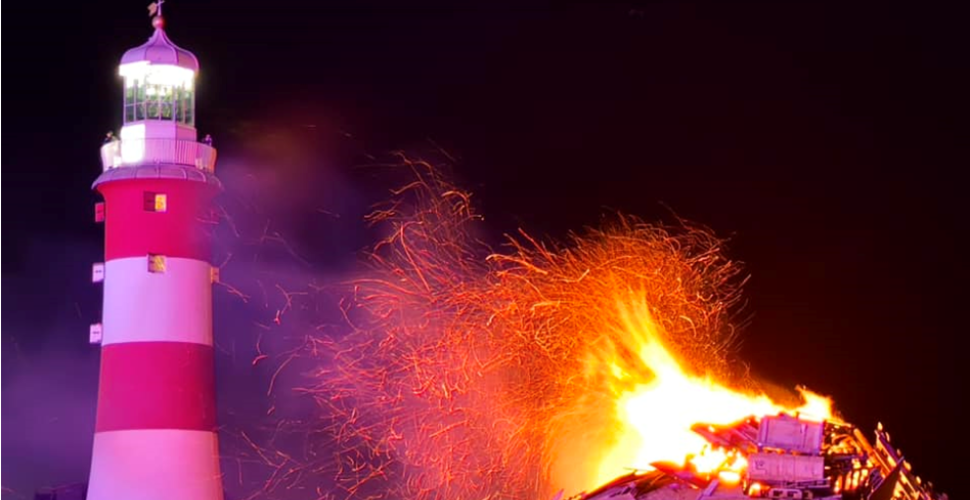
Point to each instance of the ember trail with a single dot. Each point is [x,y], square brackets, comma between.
[552,369]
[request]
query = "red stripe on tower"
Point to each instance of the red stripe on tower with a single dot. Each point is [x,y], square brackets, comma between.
[169,217]
[155,434]
[156,385]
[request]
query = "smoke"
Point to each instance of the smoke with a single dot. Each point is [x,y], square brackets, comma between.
[50,372]
[287,232]
[281,294]
[49,417]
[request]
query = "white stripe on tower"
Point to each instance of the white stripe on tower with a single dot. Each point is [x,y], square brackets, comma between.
[151,464]
[170,306]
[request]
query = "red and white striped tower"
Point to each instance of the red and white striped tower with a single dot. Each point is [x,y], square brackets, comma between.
[155,434]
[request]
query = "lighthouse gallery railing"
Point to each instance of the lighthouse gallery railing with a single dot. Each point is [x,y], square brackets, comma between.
[135,152]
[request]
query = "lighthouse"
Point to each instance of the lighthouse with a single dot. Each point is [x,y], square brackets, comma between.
[155,433]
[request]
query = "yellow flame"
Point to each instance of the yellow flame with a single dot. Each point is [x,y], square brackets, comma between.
[653,420]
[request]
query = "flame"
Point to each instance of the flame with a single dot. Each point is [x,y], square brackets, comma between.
[654,415]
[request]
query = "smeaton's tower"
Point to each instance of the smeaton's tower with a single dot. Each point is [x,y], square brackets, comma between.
[155,434]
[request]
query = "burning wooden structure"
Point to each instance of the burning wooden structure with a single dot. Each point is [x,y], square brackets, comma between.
[783,457]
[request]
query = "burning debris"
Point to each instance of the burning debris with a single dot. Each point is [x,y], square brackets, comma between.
[784,456]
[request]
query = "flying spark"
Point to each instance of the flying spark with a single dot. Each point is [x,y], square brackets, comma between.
[469,373]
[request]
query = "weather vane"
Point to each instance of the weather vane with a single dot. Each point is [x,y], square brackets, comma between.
[155,8]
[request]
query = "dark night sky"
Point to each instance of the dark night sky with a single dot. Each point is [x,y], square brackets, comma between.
[822,138]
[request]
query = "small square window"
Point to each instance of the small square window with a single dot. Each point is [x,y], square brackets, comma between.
[156,263]
[97,272]
[95,333]
[155,202]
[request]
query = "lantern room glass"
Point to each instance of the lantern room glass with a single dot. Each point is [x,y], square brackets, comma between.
[159,92]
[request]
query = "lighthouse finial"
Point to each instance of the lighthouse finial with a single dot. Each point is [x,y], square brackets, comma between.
[155,10]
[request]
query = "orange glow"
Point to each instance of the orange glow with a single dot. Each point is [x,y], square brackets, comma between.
[754,490]
[729,477]
[653,420]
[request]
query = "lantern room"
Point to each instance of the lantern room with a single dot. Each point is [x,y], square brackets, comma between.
[159,95]
[158,109]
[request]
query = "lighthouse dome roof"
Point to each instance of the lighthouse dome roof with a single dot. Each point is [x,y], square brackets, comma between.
[159,49]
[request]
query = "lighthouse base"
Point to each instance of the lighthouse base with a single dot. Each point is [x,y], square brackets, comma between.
[155,464]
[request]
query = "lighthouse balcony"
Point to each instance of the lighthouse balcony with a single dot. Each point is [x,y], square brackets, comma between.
[141,152]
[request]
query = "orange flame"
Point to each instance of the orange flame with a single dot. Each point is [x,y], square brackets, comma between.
[653,419]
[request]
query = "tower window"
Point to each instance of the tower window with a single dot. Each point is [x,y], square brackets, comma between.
[156,263]
[155,202]
[131,90]
[95,333]
[188,104]
[178,105]
[97,272]
[139,101]
[150,101]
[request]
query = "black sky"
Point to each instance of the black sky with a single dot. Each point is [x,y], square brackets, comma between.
[828,140]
